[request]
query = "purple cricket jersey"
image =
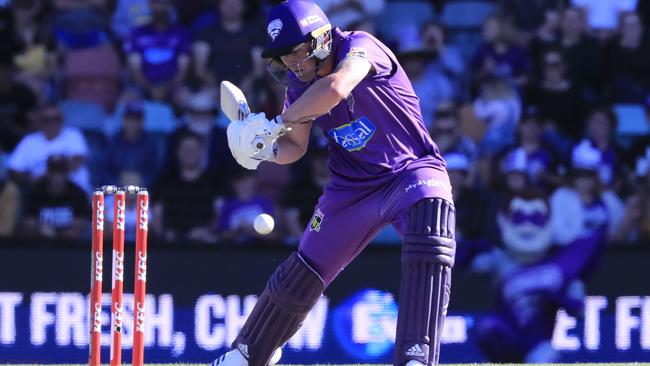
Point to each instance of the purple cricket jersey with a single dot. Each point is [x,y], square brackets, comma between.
[378,130]
[382,159]
[159,49]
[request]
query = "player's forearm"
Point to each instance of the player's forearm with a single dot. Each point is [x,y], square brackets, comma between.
[289,151]
[318,100]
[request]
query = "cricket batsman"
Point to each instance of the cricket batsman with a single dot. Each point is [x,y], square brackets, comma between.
[385,169]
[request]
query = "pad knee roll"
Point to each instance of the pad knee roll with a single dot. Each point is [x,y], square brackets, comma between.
[429,235]
[291,292]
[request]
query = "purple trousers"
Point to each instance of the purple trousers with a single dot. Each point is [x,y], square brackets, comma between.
[345,220]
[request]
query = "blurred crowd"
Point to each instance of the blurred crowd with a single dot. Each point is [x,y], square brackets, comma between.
[527,99]
[540,107]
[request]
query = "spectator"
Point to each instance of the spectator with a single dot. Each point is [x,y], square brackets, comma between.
[529,16]
[540,164]
[448,61]
[471,204]
[584,207]
[547,35]
[521,327]
[133,150]
[559,103]
[238,211]
[578,46]
[55,206]
[602,15]
[601,125]
[37,60]
[233,38]
[349,14]
[129,15]
[499,107]
[514,168]
[635,225]
[447,133]
[431,85]
[16,101]
[629,61]
[29,160]
[158,52]
[184,198]
[201,119]
[499,56]
[9,207]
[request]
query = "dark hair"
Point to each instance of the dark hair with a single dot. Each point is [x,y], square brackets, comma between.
[447,110]
[435,23]
[530,113]
[609,114]
[185,135]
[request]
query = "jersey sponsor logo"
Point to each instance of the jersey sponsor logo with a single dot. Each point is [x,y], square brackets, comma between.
[274,28]
[356,52]
[355,135]
[316,220]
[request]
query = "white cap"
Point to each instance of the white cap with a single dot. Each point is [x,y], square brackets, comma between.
[585,156]
[516,161]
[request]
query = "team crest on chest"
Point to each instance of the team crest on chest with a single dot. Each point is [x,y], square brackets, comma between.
[274,28]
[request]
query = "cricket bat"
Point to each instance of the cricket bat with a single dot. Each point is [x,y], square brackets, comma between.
[233,102]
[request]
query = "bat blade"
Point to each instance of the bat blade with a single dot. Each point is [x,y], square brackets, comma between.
[233,102]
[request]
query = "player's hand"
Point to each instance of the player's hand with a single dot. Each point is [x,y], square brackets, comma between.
[253,140]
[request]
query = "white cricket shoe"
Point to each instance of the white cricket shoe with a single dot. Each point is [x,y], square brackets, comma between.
[235,358]
[414,363]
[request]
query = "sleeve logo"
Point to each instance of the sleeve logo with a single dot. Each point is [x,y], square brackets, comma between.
[316,220]
[353,136]
[356,52]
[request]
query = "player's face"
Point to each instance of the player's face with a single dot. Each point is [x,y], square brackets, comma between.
[300,63]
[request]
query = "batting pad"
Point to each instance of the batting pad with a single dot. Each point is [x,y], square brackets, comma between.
[291,292]
[427,257]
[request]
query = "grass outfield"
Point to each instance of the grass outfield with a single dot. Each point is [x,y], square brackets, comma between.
[358,364]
